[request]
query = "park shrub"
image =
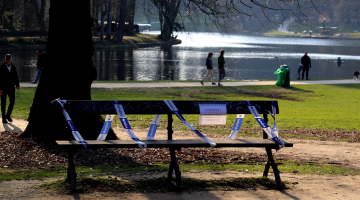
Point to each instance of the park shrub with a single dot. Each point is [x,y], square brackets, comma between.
[19,40]
[41,41]
[325,32]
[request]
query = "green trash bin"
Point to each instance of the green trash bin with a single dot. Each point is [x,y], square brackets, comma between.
[283,76]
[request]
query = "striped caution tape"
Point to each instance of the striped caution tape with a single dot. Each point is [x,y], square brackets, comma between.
[173,108]
[74,131]
[124,121]
[263,124]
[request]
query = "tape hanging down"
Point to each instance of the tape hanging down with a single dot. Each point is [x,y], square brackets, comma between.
[124,121]
[173,108]
[153,127]
[74,131]
[235,129]
[275,129]
[263,124]
[106,127]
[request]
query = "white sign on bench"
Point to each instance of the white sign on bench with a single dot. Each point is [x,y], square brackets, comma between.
[212,114]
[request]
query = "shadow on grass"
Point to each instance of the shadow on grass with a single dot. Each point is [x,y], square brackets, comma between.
[348,86]
[87,185]
[295,89]
[283,93]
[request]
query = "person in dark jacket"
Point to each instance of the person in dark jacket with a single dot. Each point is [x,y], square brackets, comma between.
[221,62]
[209,67]
[306,62]
[8,81]
[40,64]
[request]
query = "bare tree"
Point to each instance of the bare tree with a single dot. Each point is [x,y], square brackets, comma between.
[223,14]
[39,13]
[102,13]
[130,16]
[67,74]
[95,13]
[109,20]
[122,19]
[347,12]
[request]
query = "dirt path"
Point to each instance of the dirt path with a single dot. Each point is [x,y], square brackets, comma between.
[302,186]
[344,154]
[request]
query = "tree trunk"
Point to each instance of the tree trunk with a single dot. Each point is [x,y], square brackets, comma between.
[95,12]
[26,15]
[109,28]
[130,16]
[67,75]
[161,18]
[122,18]
[168,11]
[39,14]
[42,15]
[103,13]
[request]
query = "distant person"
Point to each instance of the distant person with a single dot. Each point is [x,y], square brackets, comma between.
[289,29]
[40,64]
[221,62]
[209,67]
[356,75]
[299,70]
[306,62]
[8,81]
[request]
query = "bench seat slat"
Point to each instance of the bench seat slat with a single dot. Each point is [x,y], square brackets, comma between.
[173,143]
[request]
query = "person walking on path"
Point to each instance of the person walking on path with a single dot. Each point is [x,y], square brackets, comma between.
[209,69]
[306,62]
[221,62]
[40,64]
[8,81]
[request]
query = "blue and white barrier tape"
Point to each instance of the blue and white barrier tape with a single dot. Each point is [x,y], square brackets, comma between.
[275,129]
[153,127]
[173,108]
[263,124]
[74,131]
[235,129]
[124,121]
[106,127]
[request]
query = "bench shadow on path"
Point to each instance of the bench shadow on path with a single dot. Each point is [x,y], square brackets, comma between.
[99,157]
[10,127]
[289,195]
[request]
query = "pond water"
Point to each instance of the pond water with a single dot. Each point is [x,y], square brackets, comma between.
[247,57]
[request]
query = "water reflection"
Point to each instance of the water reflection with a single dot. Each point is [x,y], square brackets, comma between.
[247,57]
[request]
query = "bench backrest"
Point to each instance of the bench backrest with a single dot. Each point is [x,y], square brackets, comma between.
[159,107]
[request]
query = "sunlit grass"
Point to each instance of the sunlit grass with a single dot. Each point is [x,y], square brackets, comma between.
[324,107]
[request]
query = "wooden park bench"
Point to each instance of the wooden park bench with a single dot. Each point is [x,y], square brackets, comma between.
[159,107]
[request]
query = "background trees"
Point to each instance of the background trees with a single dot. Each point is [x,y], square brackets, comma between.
[69,68]
[168,16]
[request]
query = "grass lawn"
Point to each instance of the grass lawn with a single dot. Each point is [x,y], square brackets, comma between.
[138,38]
[323,107]
[37,40]
[275,31]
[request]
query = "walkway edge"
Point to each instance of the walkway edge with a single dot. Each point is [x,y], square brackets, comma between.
[197,84]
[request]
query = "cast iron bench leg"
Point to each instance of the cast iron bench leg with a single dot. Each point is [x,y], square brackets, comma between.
[71,173]
[272,163]
[174,166]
